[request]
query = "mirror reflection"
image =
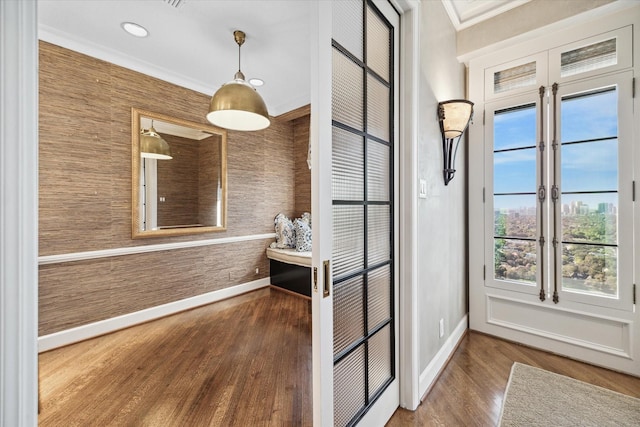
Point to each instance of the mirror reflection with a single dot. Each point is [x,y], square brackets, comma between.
[179,176]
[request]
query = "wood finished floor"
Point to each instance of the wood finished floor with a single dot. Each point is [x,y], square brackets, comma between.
[242,362]
[247,362]
[470,390]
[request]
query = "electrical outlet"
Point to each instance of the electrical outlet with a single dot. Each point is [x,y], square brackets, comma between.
[257,270]
[441,328]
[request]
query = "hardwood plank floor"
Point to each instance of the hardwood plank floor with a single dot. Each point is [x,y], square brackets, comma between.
[241,362]
[470,390]
[247,362]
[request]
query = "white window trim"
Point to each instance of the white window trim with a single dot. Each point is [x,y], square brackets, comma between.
[480,299]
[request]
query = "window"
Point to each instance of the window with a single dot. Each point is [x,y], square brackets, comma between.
[514,77]
[556,185]
[588,58]
[514,194]
[558,162]
[589,195]
[594,56]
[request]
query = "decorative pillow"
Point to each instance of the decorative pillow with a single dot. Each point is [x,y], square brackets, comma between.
[285,233]
[303,235]
[306,217]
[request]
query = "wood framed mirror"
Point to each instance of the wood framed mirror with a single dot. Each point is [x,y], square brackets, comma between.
[185,192]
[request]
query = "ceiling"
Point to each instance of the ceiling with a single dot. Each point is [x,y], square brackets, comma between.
[465,13]
[191,43]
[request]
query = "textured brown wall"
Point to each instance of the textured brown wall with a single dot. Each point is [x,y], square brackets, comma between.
[85,194]
[178,182]
[303,173]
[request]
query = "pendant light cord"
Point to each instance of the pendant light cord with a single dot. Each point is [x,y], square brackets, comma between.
[239,38]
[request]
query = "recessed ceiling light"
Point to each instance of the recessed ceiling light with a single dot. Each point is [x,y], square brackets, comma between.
[256,82]
[135,29]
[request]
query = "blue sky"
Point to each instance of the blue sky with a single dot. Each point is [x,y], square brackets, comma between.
[585,167]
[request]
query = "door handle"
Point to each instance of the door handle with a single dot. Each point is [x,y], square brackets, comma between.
[327,278]
[315,279]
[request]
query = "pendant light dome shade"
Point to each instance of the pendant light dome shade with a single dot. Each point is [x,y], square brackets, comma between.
[152,146]
[237,105]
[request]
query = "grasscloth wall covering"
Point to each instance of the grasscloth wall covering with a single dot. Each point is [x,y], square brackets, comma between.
[178,183]
[303,173]
[85,194]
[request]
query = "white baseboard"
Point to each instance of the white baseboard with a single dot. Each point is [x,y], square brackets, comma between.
[91,330]
[430,374]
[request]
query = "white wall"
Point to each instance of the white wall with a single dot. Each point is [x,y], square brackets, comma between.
[442,290]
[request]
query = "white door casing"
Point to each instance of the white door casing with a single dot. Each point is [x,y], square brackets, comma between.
[602,330]
[19,213]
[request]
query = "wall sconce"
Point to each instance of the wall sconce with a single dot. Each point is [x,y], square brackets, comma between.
[237,105]
[454,117]
[152,146]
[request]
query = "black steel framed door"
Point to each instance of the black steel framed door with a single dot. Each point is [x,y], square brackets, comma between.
[362,192]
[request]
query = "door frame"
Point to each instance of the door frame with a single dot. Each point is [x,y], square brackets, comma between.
[19,204]
[21,327]
[319,131]
[407,262]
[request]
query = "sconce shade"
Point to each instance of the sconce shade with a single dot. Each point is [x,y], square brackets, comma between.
[152,146]
[454,117]
[237,105]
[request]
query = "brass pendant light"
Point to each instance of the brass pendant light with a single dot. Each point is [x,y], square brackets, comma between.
[237,105]
[152,146]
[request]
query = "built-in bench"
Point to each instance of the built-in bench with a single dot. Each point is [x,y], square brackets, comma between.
[290,270]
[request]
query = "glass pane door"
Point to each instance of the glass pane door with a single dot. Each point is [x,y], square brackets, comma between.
[514,194]
[594,150]
[513,205]
[589,196]
[362,205]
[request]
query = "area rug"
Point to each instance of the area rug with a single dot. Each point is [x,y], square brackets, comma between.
[535,397]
